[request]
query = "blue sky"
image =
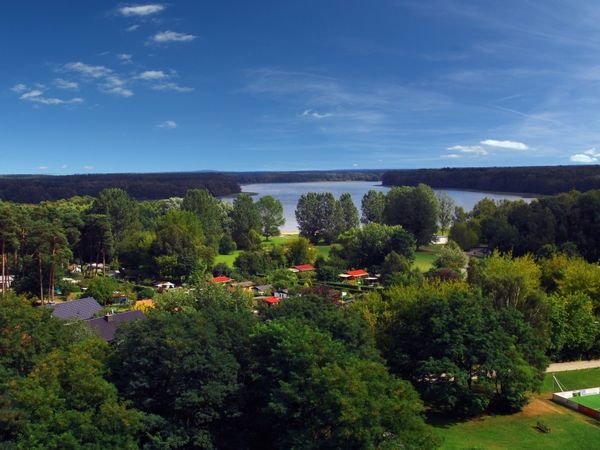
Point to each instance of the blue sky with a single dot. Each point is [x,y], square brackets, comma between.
[101,86]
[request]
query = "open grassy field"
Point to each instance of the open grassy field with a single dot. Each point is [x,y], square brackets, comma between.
[591,401]
[570,429]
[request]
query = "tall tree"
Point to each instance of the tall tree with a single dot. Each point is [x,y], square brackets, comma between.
[415,208]
[207,209]
[8,237]
[349,212]
[245,220]
[319,217]
[271,215]
[446,209]
[373,205]
[120,208]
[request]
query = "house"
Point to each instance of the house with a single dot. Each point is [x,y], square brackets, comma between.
[354,275]
[222,279]
[164,286]
[271,300]
[281,293]
[262,289]
[82,309]
[303,268]
[244,285]
[106,326]
[7,282]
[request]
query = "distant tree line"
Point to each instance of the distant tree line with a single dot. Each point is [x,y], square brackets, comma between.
[306,176]
[545,180]
[141,186]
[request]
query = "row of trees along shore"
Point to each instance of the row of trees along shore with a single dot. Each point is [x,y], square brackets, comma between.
[211,369]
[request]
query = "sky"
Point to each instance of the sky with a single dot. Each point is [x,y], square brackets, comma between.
[100,86]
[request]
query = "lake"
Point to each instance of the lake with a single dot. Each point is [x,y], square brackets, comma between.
[289,193]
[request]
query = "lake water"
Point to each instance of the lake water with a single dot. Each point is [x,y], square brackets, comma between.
[289,193]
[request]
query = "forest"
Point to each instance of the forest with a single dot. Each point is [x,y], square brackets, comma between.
[545,180]
[142,186]
[332,363]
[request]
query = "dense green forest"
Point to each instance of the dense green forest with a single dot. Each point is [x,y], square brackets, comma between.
[535,180]
[351,363]
[307,175]
[142,186]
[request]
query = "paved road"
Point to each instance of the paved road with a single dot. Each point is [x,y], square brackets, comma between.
[573,365]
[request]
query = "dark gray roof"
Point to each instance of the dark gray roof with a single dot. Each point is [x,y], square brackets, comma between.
[83,309]
[263,287]
[107,326]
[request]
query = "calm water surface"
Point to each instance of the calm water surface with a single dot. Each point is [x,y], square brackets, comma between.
[289,193]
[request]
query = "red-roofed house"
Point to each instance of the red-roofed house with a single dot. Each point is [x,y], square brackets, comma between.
[271,300]
[356,274]
[222,279]
[304,267]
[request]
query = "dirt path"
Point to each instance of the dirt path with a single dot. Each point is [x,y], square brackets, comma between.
[573,365]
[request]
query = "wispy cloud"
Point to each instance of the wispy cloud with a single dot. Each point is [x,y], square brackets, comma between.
[88,70]
[88,167]
[473,149]
[315,114]
[125,58]
[589,156]
[18,88]
[141,10]
[164,37]
[133,27]
[152,75]
[511,145]
[42,167]
[451,156]
[37,96]
[66,84]
[170,86]
[168,124]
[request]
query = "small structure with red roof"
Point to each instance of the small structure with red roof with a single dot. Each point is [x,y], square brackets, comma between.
[221,279]
[303,268]
[271,300]
[355,274]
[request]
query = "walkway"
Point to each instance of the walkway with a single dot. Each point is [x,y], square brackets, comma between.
[573,365]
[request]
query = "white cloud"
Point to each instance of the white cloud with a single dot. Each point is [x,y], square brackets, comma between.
[120,91]
[42,167]
[88,167]
[133,27]
[152,75]
[88,70]
[141,10]
[172,36]
[168,124]
[125,58]
[315,114]
[473,149]
[451,156]
[589,156]
[169,86]
[66,84]
[18,88]
[512,145]
[37,96]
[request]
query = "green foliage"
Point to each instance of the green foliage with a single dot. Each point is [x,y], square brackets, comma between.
[65,402]
[415,208]
[349,212]
[360,405]
[102,289]
[270,211]
[372,206]
[207,210]
[464,234]
[299,251]
[319,217]
[367,246]
[227,245]
[451,256]
[245,218]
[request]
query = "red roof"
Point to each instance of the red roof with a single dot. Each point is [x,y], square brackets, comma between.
[221,279]
[358,273]
[304,267]
[271,300]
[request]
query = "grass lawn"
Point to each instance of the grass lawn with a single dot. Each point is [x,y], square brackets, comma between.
[591,401]
[573,379]
[570,429]
[425,256]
